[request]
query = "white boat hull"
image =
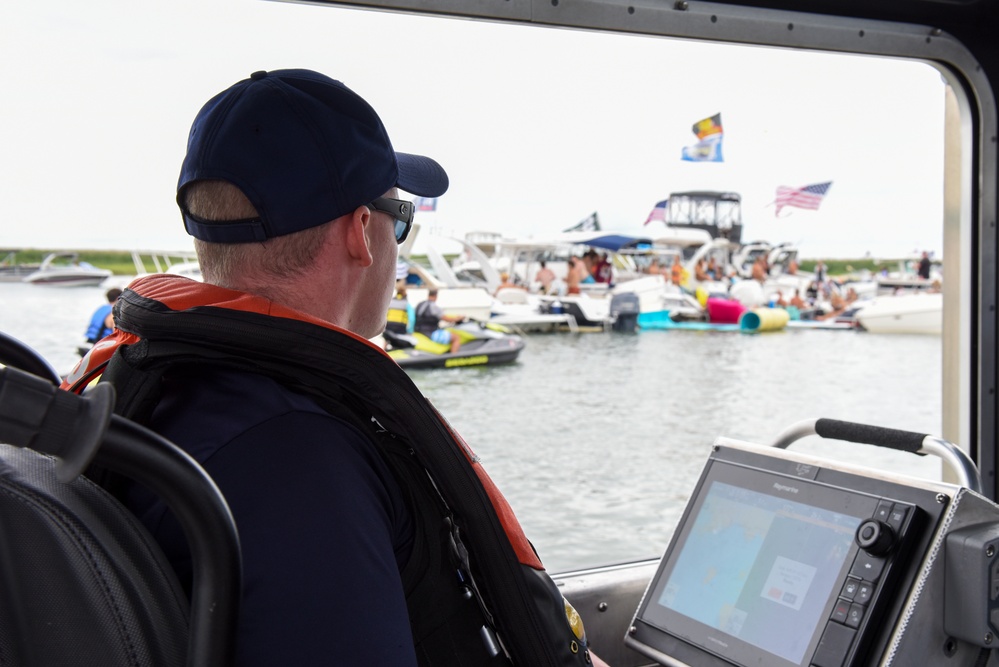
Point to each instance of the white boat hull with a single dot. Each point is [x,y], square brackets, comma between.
[473,302]
[906,313]
[59,278]
[63,269]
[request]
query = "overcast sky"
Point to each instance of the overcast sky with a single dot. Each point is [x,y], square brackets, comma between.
[537,127]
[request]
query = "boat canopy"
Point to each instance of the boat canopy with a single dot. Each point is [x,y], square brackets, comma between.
[607,241]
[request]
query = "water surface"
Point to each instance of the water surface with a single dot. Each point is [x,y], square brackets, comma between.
[597,439]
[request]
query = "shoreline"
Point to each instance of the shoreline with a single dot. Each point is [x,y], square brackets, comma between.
[120,261]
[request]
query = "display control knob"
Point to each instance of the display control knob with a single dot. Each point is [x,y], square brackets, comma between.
[875,537]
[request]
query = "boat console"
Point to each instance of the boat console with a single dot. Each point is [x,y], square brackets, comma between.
[788,560]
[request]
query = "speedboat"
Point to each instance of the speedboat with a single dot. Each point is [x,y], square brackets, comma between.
[517,308]
[482,344]
[589,313]
[64,269]
[916,313]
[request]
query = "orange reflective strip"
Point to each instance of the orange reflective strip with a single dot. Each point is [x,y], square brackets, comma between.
[511,526]
[93,363]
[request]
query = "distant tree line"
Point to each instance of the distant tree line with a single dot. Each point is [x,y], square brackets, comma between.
[120,261]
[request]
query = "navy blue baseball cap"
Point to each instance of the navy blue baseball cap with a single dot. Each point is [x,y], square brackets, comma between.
[303,148]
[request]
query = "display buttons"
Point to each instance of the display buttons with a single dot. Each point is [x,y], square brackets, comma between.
[867,567]
[883,511]
[841,611]
[864,592]
[854,616]
[849,588]
[834,645]
[897,517]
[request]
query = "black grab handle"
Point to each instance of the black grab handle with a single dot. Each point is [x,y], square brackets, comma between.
[865,434]
[906,441]
[16,354]
[37,414]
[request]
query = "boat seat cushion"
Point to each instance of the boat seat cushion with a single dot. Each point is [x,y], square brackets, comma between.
[81,581]
[512,295]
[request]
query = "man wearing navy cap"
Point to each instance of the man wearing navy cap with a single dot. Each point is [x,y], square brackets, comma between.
[322,446]
[266,198]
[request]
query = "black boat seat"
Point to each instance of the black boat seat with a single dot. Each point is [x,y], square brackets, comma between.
[81,581]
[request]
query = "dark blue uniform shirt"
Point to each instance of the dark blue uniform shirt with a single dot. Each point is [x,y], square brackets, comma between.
[322,523]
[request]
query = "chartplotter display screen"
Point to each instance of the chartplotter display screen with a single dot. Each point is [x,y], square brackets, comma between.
[756,566]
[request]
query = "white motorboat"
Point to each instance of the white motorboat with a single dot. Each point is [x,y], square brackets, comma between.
[64,269]
[177,263]
[906,277]
[917,313]
[517,308]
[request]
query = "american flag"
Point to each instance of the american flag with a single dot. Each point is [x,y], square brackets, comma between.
[426,203]
[659,212]
[808,197]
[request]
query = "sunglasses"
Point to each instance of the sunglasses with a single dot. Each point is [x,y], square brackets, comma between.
[399,209]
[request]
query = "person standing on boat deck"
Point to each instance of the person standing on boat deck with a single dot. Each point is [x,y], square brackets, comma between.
[700,272]
[924,266]
[574,275]
[676,272]
[603,271]
[290,187]
[101,322]
[545,277]
[760,270]
[820,272]
[714,272]
[429,316]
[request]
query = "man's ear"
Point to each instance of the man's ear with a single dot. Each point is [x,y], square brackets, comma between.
[356,237]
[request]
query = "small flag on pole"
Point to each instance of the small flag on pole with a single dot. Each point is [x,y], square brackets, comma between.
[808,197]
[709,146]
[659,212]
[590,223]
[425,203]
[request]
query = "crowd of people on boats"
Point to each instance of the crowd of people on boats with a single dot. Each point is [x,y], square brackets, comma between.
[590,267]
[813,296]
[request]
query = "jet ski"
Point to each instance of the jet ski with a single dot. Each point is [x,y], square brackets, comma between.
[482,343]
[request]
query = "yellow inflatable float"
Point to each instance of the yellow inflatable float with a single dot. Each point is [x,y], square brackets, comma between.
[764,319]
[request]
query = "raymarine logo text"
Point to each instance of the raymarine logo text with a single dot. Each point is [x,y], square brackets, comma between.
[785,488]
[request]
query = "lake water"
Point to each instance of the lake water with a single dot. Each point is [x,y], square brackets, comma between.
[597,439]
